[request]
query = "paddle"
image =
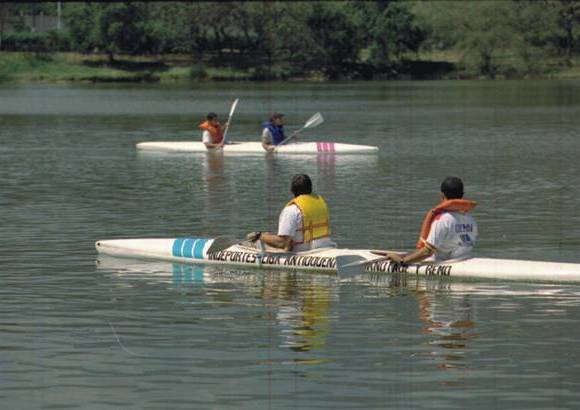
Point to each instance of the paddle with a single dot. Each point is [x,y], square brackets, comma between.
[312,122]
[351,265]
[260,254]
[221,243]
[234,105]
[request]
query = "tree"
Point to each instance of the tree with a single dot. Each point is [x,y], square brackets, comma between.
[109,27]
[568,21]
[394,32]
[335,39]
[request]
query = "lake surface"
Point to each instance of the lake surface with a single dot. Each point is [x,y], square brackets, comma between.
[75,333]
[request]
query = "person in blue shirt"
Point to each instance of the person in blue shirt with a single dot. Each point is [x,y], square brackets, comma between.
[273,132]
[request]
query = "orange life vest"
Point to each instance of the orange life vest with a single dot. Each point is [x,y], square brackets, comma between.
[315,217]
[217,135]
[450,205]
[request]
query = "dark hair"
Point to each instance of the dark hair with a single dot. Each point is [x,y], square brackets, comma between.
[212,116]
[276,115]
[452,188]
[301,185]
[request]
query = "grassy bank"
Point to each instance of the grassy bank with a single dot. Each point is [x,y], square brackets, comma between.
[73,67]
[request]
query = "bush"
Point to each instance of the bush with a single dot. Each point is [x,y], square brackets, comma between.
[38,42]
[197,72]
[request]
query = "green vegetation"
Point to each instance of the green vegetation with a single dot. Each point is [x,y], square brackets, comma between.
[178,41]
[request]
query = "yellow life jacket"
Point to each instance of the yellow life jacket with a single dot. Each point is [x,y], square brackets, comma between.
[315,217]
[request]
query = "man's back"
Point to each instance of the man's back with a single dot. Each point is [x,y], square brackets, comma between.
[453,234]
[291,224]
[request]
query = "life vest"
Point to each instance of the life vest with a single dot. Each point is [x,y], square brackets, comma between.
[217,135]
[277,132]
[450,205]
[315,217]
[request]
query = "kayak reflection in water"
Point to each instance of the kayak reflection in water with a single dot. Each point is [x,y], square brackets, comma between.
[304,223]
[273,132]
[448,231]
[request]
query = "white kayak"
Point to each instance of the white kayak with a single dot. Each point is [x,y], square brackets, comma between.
[256,147]
[345,262]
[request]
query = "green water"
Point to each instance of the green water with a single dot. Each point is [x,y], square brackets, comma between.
[129,334]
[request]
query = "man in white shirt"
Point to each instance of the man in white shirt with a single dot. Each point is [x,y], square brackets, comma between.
[273,132]
[448,231]
[304,222]
[213,132]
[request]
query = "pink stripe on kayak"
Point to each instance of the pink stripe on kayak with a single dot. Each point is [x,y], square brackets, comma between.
[325,147]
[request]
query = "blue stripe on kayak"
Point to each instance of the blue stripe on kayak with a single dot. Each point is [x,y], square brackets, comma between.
[177,244]
[198,249]
[188,248]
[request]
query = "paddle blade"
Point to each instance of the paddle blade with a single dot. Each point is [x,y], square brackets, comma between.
[222,243]
[314,121]
[234,105]
[355,266]
[349,265]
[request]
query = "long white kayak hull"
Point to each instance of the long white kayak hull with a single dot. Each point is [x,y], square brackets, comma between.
[195,250]
[256,147]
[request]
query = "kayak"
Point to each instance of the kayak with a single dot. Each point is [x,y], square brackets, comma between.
[343,261]
[197,250]
[256,147]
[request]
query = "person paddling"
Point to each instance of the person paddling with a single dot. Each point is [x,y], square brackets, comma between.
[273,132]
[448,230]
[213,131]
[304,222]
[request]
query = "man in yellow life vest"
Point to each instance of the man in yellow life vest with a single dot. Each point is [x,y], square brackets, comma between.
[304,222]
[213,131]
[448,231]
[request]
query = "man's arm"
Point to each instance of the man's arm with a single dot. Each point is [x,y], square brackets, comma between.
[438,232]
[277,241]
[267,140]
[413,257]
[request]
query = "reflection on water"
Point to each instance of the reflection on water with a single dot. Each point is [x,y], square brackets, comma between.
[448,319]
[300,304]
[303,309]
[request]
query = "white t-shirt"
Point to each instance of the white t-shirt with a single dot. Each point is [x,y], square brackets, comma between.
[453,235]
[290,223]
[206,137]
[266,136]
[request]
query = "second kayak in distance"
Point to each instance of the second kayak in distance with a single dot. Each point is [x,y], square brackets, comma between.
[256,147]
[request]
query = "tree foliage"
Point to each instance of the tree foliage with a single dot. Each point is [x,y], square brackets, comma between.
[336,39]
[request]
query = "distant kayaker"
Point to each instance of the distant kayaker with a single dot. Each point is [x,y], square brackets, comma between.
[448,231]
[213,131]
[273,132]
[304,222]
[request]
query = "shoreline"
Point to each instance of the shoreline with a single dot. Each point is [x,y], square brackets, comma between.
[30,67]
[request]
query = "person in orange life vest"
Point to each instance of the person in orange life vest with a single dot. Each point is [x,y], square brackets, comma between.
[213,131]
[448,231]
[303,223]
[273,132]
